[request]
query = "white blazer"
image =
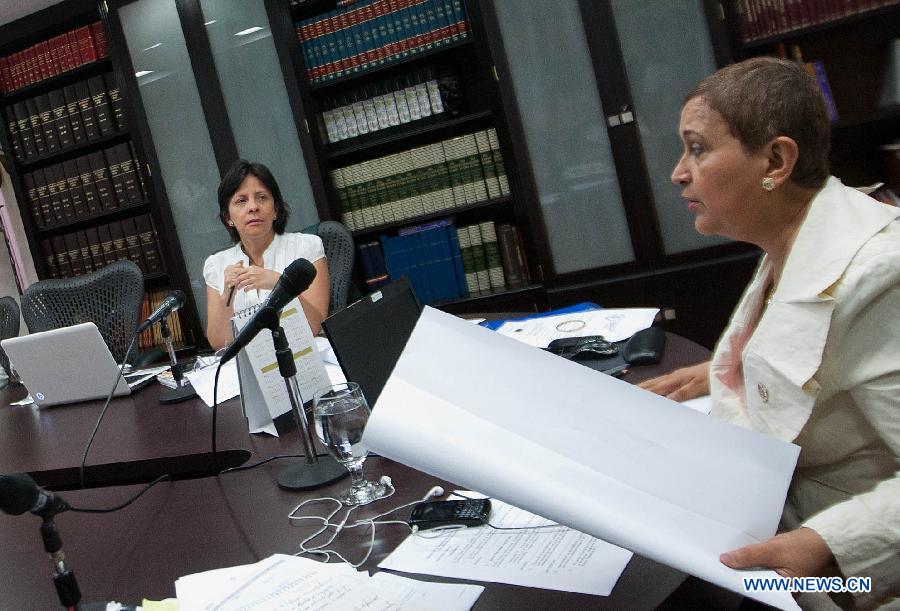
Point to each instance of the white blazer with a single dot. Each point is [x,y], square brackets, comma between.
[822,369]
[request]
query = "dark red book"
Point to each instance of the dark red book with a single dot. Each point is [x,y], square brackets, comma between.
[85,42]
[100,43]
[96,250]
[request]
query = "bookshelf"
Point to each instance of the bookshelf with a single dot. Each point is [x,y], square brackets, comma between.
[398,98]
[851,43]
[79,170]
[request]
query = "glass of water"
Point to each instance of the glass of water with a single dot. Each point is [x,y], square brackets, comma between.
[341,413]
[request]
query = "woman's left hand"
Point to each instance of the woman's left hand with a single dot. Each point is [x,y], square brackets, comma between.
[796,553]
[259,278]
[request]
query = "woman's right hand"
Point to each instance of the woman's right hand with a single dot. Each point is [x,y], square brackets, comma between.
[682,384]
[232,273]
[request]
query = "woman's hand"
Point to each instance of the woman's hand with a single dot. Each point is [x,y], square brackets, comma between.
[248,278]
[796,553]
[682,384]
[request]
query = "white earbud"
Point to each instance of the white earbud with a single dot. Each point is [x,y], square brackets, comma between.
[436,491]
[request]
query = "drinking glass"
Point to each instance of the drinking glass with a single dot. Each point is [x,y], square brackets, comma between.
[341,413]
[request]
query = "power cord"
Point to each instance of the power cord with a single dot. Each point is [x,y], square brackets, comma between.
[103,411]
[126,503]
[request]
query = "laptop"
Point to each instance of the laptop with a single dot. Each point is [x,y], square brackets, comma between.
[64,365]
[369,335]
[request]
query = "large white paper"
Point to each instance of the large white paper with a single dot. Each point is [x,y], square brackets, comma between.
[582,449]
[289,582]
[553,558]
[613,325]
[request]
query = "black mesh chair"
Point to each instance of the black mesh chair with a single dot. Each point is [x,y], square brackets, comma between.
[110,298]
[9,327]
[339,252]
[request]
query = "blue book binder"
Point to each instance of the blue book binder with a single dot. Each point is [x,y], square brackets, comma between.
[578,307]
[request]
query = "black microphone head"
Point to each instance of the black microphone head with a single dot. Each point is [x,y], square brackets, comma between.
[297,276]
[178,298]
[18,493]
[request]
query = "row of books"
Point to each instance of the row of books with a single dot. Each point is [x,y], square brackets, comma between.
[84,187]
[82,252]
[372,33]
[414,97]
[445,262]
[152,337]
[54,122]
[432,178]
[53,56]
[763,18]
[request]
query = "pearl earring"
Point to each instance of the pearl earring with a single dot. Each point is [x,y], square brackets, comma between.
[768,183]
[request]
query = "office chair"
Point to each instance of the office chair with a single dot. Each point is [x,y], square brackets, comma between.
[9,327]
[339,252]
[110,298]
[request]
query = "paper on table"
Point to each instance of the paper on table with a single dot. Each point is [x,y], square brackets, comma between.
[282,581]
[555,558]
[613,325]
[202,380]
[582,449]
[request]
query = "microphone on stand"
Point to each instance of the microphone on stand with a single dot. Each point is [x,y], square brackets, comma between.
[18,494]
[172,302]
[295,279]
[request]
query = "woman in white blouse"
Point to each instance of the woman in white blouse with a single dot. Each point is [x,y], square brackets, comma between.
[255,215]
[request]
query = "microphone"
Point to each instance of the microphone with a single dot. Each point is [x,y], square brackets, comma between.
[19,493]
[172,302]
[295,279]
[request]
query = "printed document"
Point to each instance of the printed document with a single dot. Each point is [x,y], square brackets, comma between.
[613,325]
[289,582]
[582,448]
[552,557]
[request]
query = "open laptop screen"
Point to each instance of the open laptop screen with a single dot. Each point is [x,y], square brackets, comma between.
[369,335]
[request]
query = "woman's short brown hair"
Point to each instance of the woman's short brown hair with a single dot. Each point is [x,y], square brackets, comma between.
[763,98]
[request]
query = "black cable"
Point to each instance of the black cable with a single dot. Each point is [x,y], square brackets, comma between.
[215,405]
[260,463]
[126,503]
[103,411]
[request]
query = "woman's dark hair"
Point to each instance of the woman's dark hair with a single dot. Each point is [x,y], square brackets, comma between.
[233,178]
[763,98]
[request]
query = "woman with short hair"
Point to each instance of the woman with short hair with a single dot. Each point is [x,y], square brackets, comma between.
[811,354]
[255,214]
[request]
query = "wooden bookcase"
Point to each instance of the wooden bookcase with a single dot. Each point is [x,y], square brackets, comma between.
[80,173]
[360,71]
[852,41]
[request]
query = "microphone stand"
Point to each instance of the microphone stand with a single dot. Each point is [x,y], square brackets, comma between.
[316,471]
[63,578]
[184,391]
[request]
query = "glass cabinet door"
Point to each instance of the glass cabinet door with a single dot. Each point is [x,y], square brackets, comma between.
[565,132]
[666,49]
[174,114]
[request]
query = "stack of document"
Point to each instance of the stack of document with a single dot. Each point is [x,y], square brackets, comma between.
[289,582]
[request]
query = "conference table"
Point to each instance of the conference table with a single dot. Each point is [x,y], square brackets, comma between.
[202,520]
